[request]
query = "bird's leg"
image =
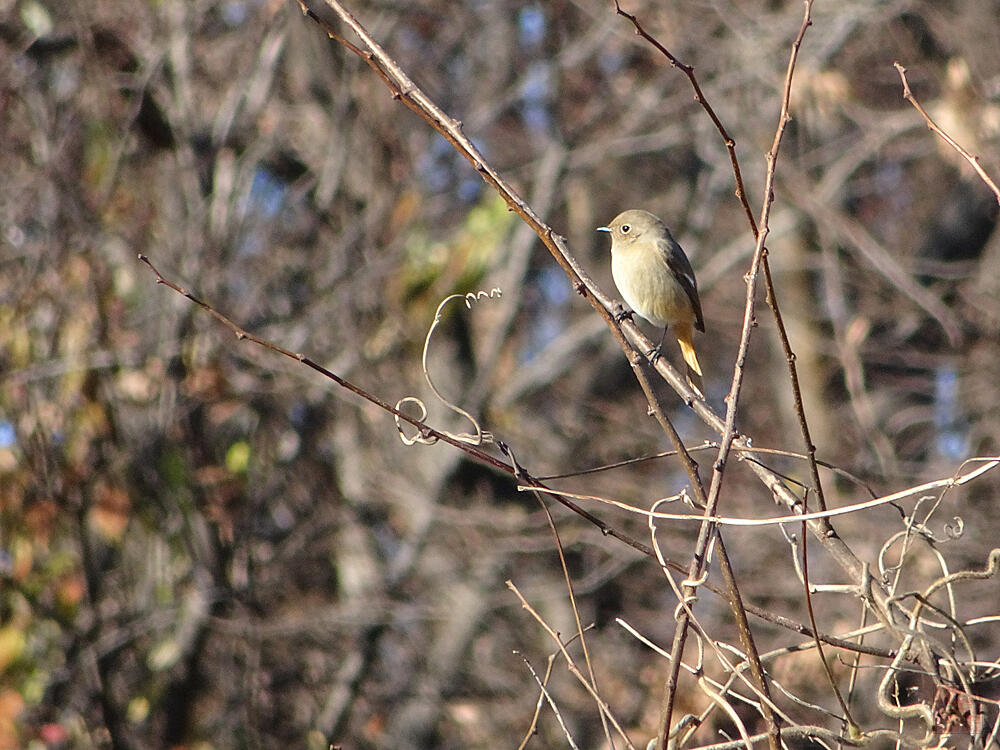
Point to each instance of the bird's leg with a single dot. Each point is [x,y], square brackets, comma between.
[654,353]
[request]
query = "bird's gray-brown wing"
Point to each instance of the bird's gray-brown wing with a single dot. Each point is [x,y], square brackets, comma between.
[678,263]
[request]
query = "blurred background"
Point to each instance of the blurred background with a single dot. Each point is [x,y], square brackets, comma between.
[206,545]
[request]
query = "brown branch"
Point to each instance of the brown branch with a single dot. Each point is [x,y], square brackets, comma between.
[708,529]
[568,580]
[570,664]
[793,375]
[543,694]
[241,334]
[933,127]
[699,97]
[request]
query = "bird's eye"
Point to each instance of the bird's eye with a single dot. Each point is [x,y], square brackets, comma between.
[626,228]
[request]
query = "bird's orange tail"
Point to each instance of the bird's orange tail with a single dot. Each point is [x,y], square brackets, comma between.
[694,375]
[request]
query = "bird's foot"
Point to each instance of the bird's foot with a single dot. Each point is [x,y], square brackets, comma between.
[622,314]
[654,354]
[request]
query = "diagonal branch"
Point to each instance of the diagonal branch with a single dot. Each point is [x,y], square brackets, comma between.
[931,125]
[699,97]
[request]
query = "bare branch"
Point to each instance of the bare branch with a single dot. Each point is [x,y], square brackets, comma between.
[933,127]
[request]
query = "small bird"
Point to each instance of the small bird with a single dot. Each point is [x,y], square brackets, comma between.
[655,277]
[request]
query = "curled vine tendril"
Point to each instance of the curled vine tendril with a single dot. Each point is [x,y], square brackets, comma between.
[478,437]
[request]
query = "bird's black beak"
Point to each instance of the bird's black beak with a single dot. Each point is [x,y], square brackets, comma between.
[604,229]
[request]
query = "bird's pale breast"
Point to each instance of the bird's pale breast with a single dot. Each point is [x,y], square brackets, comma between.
[648,285]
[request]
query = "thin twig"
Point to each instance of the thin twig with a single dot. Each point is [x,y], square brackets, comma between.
[625,462]
[771,297]
[242,334]
[699,97]
[931,125]
[542,696]
[545,695]
[567,578]
[707,529]
[570,663]
[956,479]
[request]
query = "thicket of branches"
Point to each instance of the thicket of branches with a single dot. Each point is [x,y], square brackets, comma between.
[206,543]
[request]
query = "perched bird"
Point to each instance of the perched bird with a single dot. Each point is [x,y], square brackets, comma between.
[654,276]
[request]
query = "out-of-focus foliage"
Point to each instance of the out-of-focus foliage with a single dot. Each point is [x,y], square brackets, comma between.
[203,544]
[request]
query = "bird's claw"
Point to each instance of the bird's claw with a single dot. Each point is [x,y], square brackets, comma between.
[622,314]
